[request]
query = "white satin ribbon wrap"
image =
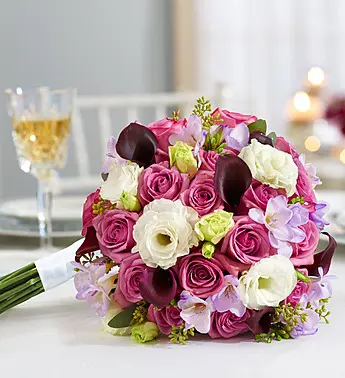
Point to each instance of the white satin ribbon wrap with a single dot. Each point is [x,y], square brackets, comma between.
[57,269]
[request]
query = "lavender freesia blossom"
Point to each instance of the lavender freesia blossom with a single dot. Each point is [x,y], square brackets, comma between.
[195,312]
[237,137]
[282,222]
[111,156]
[311,171]
[321,209]
[192,134]
[93,284]
[309,327]
[228,299]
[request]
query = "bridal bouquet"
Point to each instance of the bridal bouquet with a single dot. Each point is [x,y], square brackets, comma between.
[205,225]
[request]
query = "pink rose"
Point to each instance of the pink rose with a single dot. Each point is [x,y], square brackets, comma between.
[202,195]
[208,160]
[227,325]
[88,214]
[232,119]
[257,196]
[127,289]
[159,181]
[164,128]
[161,156]
[114,231]
[303,252]
[246,244]
[165,318]
[304,186]
[295,297]
[200,276]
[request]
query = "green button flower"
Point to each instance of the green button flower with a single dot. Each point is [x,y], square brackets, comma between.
[130,202]
[181,156]
[143,333]
[215,226]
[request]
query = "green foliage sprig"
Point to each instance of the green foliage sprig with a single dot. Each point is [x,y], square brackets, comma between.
[203,109]
[179,335]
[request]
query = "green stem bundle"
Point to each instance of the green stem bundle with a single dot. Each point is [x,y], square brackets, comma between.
[19,286]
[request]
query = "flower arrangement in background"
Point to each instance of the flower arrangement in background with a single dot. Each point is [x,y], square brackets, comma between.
[205,225]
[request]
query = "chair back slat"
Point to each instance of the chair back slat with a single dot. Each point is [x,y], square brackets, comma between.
[105,126]
[160,112]
[132,114]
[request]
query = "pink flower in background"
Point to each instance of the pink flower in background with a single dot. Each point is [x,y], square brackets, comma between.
[303,252]
[257,196]
[114,232]
[246,244]
[227,324]
[164,128]
[232,119]
[127,289]
[200,276]
[165,318]
[202,195]
[88,214]
[208,160]
[159,181]
[94,285]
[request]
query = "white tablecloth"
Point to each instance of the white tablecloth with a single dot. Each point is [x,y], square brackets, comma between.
[56,336]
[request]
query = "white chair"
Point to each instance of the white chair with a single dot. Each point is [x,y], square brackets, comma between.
[160,102]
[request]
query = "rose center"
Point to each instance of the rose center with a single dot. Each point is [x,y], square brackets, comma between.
[163,239]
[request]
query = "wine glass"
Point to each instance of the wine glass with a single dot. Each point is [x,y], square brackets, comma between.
[41,122]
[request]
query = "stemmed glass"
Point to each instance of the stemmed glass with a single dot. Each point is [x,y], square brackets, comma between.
[41,121]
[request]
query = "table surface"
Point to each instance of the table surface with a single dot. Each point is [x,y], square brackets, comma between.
[53,334]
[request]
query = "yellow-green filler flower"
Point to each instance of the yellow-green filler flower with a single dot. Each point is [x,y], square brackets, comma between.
[181,156]
[215,226]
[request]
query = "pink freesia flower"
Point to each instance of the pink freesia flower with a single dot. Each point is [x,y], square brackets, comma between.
[94,285]
[282,223]
[311,171]
[228,299]
[191,134]
[196,312]
[232,119]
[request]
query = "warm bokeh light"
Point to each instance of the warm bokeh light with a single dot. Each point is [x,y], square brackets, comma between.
[312,143]
[301,101]
[316,76]
[342,156]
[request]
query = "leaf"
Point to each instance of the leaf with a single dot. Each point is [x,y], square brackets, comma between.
[90,244]
[232,178]
[273,136]
[323,259]
[124,318]
[258,125]
[137,143]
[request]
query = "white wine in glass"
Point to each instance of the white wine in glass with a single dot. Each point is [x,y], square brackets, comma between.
[41,122]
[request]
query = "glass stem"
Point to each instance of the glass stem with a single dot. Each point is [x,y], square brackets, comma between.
[44,203]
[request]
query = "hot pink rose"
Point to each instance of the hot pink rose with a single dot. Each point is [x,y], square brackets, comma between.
[246,244]
[165,318]
[200,276]
[127,289]
[208,160]
[161,156]
[295,297]
[227,325]
[257,196]
[303,252]
[304,186]
[159,181]
[232,119]
[114,232]
[88,214]
[164,128]
[202,195]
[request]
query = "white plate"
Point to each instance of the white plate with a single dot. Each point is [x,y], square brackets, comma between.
[64,208]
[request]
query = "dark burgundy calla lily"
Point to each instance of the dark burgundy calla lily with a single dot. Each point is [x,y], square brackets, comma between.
[232,178]
[89,245]
[158,286]
[260,321]
[323,259]
[137,143]
[261,137]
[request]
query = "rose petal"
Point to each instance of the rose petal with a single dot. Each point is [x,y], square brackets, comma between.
[323,259]
[90,244]
[158,286]
[232,178]
[137,143]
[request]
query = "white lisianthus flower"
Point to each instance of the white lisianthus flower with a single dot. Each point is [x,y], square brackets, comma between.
[271,166]
[267,282]
[165,232]
[121,178]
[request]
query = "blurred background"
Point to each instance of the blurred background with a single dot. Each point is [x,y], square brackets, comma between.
[252,55]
